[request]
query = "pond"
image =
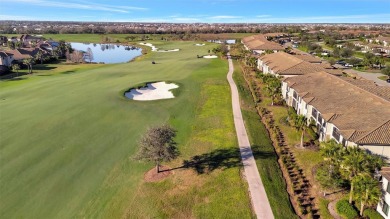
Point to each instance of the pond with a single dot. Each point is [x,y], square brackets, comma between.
[222,41]
[109,53]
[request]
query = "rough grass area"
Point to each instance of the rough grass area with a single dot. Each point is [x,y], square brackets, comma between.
[68,137]
[266,158]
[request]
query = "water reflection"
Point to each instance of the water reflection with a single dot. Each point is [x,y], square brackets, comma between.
[109,53]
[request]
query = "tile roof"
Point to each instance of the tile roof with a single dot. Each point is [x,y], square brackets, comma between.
[259,42]
[361,116]
[285,64]
[378,136]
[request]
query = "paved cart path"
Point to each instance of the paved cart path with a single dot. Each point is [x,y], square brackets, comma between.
[259,199]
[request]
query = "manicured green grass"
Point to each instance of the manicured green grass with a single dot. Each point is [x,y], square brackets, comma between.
[265,155]
[68,137]
[384,77]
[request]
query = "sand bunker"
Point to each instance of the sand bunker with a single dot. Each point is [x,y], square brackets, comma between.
[152,91]
[210,57]
[155,49]
[200,44]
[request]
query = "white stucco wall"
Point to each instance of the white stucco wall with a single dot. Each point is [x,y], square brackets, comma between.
[385,198]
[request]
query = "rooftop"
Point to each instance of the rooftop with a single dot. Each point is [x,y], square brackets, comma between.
[362,115]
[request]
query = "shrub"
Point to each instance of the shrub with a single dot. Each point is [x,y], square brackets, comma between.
[372,214]
[346,210]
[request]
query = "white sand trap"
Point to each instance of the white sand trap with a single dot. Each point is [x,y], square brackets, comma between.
[153,91]
[155,49]
[210,57]
[200,44]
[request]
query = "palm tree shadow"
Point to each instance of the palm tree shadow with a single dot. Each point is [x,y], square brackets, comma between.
[221,159]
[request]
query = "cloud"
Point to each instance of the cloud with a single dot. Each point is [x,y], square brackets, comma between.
[263,15]
[225,17]
[83,5]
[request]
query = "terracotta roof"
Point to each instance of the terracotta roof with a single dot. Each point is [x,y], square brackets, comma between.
[259,42]
[360,115]
[370,86]
[378,136]
[308,58]
[285,64]
[5,54]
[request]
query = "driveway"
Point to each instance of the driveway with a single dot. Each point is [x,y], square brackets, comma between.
[260,203]
[369,76]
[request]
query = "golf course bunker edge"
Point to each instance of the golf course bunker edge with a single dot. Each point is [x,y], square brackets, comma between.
[152,91]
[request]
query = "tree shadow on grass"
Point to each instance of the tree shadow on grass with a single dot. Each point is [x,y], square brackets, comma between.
[68,72]
[43,67]
[222,159]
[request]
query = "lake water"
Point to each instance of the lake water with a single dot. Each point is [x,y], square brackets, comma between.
[223,41]
[109,53]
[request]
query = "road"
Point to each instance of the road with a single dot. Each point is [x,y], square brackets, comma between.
[260,203]
[369,76]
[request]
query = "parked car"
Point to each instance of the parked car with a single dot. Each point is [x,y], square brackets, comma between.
[388,80]
[348,65]
[341,62]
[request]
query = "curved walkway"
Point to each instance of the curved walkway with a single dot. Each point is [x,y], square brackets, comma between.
[259,199]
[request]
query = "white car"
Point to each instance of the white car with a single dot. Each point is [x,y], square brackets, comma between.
[348,65]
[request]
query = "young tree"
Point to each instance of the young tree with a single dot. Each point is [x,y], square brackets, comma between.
[15,68]
[39,56]
[28,62]
[158,145]
[300,125]
[367,191]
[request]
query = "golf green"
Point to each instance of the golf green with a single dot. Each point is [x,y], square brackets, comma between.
[68,135]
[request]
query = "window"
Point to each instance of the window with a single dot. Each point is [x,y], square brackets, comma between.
[388,187]
[319,119]
[385,208]
[295,95]
[344,142]
[336,134]
[294,104]
[314,113]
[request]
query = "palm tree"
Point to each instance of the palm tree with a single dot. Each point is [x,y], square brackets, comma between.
[367,190]
[300,125]
[272,87]
[352,166]
[332,151]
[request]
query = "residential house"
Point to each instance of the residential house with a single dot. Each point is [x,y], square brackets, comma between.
[286,65]
[28,39]
[383,40]
[354,112]
[383,205]
[6,58]
[259,44]
[23,53]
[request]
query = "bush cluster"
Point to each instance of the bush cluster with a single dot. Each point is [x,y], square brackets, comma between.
[346,210]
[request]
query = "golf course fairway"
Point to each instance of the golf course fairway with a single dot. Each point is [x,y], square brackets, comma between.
[68,137]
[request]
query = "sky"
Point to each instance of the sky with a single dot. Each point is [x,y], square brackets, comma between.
[199,11]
